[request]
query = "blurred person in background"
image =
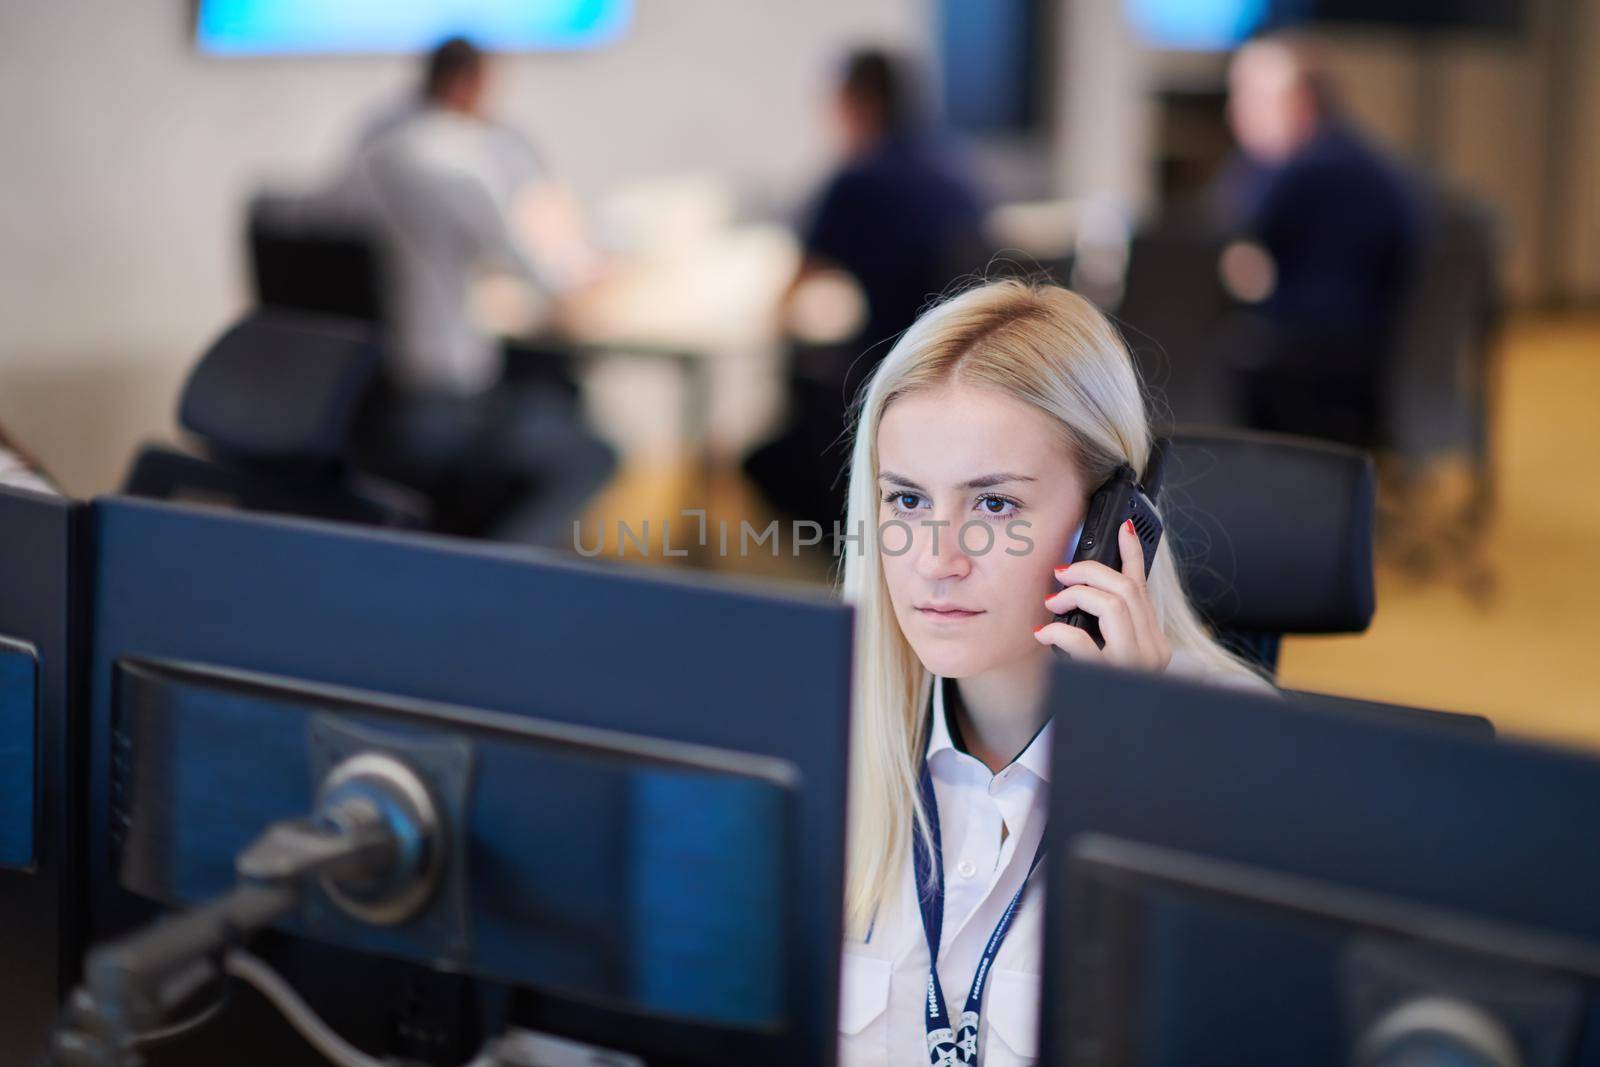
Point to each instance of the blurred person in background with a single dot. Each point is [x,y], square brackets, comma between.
[1340,226]
[19,470]
[455,195]
[902,217]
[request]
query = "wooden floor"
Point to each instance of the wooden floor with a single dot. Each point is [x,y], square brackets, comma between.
[1516,633]
[1507,627]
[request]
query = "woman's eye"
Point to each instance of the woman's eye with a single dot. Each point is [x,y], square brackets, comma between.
[995,505]
[907,501]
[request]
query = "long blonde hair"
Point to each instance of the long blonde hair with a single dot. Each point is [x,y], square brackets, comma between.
[1051,349]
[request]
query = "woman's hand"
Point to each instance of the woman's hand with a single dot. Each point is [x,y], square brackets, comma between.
[1121,604]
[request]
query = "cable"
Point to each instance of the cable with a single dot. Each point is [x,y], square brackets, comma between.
[270,984]
[184,1026]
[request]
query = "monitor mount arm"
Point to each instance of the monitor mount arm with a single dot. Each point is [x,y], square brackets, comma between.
[375,843]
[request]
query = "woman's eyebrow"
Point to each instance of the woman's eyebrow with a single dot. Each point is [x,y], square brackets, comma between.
[986,481]
[898,479]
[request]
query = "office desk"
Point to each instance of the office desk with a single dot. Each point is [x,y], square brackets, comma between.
[708,307]
[694,304]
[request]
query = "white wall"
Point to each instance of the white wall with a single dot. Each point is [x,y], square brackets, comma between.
[126,158]
[1491,114]
[1104,119]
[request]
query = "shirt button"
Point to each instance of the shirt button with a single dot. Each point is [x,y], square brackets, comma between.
[965,869]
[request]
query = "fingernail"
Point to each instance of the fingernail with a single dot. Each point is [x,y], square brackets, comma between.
[1036,629]
[1129,525]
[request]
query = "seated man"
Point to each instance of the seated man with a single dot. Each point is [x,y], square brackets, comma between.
[454,195]
[1341,226]
[899,216]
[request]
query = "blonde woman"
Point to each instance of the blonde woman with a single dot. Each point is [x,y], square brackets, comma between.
[978,443]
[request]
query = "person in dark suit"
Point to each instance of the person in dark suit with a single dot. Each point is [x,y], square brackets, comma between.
[897,215]
[1340,223]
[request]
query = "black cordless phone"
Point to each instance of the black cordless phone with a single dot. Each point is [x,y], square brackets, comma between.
[1119,500]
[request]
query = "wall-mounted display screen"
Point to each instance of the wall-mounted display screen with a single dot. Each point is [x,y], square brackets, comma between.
[1220,25]
[302,27]
[1201,25]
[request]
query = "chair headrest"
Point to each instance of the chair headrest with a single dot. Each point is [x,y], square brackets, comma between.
[312,254]
[1270,532]
[281,386]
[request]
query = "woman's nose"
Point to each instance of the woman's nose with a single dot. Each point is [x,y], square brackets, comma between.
[939,552]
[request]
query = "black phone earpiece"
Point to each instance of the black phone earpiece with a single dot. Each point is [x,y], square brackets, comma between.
[1123,498]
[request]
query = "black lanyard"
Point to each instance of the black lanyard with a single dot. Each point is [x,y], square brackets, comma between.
[947,1046]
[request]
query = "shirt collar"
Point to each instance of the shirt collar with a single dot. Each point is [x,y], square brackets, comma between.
[939,739]
[1034,758]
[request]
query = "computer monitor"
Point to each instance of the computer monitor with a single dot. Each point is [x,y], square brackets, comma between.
[1461,723]
[1159,936]
[1401,810]
[39,745]
[641,747]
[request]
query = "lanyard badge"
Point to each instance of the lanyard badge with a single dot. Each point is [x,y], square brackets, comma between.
[947,1045]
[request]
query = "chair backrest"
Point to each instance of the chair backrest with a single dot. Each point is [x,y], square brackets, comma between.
[1171,316]
[1439,383]
[281,387]
[1172,290]
[1272,534]
[275,401]
[302,259]
[161,473]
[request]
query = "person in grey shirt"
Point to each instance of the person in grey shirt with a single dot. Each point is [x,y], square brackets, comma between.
[452,196]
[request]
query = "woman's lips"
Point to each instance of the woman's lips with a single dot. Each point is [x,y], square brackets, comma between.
[949,614]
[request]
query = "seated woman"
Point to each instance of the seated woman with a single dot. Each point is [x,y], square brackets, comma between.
[978,443]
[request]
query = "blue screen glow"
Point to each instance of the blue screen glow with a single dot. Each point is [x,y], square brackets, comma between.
[1209,25]
[19,752]
[288,27]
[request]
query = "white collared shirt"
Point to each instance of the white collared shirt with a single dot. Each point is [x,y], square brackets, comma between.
[885,978]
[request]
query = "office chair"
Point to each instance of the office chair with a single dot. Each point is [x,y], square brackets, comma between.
[1173,314]
[307,257]
[1442,382]
[1442,390]
[302,259]
[273,402]
[1272,535]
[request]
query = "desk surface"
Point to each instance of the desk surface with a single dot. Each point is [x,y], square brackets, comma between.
[714,294]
